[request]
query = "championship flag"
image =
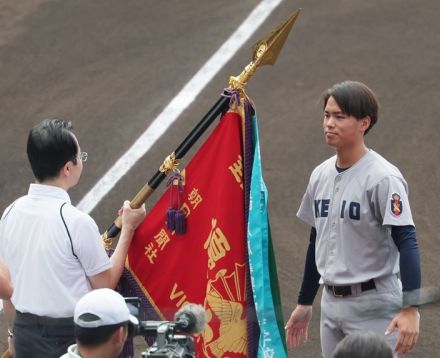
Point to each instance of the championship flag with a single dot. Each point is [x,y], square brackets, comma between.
[222,257]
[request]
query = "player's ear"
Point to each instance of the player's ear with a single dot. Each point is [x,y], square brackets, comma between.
[365,123]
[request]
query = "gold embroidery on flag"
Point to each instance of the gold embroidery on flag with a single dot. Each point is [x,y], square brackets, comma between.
[178,295]
[195,198]
[217,244]
[186,210]
[150,252]
[237,170]
[231,336]
[162,239]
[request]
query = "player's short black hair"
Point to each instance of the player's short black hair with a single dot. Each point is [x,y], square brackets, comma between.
[50,145]
[355,99]
[92,337]
[365,344]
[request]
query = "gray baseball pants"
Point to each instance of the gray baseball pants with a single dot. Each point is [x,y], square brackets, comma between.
[370,310]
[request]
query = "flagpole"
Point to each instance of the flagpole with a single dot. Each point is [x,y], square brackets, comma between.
[169,164]
[265,52]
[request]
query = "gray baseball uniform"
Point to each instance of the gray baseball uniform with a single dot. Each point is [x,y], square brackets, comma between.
[352,212]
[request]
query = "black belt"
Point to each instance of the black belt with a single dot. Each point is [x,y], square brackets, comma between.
[343,291]
[33,319]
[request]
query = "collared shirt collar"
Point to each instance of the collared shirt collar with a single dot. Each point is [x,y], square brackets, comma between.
[49,190]
[73,351]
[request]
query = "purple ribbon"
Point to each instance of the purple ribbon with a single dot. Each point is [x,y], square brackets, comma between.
[233,95]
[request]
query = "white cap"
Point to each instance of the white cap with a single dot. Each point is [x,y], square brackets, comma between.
[102,307]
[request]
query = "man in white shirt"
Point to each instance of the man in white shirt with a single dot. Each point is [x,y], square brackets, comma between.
[54,251]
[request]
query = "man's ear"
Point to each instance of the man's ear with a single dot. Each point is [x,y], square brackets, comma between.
[120,335]
[66,170]
[365,123]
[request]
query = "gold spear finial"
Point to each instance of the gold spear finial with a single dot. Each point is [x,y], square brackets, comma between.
[266,51]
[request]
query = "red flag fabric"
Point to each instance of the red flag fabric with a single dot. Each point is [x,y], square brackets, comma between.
[207,265]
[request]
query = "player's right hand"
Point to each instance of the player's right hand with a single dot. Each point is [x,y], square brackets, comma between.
[298,325]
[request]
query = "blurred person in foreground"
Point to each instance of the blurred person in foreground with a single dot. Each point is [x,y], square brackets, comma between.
[6,288]
[363,345]
[102,320]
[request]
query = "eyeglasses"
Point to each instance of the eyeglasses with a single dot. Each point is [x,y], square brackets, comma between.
[83,156]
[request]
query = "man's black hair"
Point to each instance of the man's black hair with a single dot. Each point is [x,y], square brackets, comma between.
[355,99]
[92,337]
[51,144]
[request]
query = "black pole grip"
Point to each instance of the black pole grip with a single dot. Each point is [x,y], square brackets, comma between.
[113,231]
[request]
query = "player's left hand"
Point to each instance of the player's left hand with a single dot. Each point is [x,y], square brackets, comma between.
[407,322]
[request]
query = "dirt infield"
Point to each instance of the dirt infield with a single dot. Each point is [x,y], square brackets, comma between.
[111,67]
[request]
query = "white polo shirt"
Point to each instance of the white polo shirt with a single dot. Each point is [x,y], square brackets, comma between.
[72,352]
[48,279]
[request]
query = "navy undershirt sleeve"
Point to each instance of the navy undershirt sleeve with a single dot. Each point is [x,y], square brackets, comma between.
[310,283]
[405,239]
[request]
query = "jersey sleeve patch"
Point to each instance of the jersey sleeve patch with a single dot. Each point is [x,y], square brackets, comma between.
[396,205]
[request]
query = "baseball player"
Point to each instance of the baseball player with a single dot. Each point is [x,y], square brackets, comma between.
[362,237]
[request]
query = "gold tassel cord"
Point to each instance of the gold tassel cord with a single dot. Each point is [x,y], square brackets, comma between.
[107,241]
